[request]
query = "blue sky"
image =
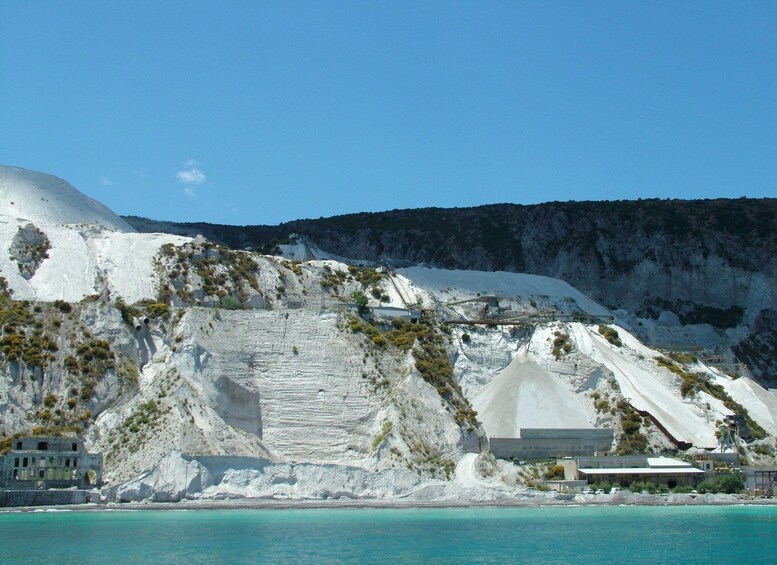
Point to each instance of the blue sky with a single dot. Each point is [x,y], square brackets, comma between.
[262,112]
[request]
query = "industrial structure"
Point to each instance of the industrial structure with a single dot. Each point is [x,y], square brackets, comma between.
[624,470]
[492,313]
[545,443]
[47,463]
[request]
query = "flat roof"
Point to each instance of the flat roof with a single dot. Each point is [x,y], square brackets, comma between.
[643,471]
[666,462]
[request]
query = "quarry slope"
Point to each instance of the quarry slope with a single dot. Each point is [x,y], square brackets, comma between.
[202,371]
[684,272]
[48,200]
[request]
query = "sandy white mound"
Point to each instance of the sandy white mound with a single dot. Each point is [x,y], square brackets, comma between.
[47,200]
[525,395]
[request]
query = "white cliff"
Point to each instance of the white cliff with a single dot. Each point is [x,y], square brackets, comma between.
[232,374]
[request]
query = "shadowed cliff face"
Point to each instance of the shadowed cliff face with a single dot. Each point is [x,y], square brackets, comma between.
[709,261]
[643,254]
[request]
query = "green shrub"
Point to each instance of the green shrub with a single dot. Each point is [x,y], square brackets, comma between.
[561,345]
[231,303]
[360,300]
[631,440]
[684,358]
[610,334]
[728,483]
[556,472]
[384,432]
[63,306]
[639,486]
[158,310]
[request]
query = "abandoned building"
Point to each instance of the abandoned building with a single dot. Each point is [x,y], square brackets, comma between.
[41,463]
[545,443]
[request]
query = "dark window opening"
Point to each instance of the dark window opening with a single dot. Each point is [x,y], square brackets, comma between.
[24,462]
[18,445]
[16,462]
[42,474]
[16,474]
[74,447]
[43,445]
[671,484]
[67,462]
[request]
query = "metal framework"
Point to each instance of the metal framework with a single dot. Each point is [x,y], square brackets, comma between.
[765,482]
[532,320]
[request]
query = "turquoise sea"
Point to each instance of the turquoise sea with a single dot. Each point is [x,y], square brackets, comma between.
[480,535]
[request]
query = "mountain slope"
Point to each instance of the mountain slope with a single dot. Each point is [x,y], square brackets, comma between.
[201,371]
[47,200]
[667,264]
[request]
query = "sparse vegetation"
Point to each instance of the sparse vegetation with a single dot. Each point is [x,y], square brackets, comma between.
[365,276]
[29,247]
[332,279]
[561,345]
[426,341]
[631,440]
[554,473]
[682,358]
[221,273]
[611,335]
[384,432]
[695,382]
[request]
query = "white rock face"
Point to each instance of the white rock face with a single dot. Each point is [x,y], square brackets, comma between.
[91,248]
[83,261]
[47,200]
[286,376]
[282,400]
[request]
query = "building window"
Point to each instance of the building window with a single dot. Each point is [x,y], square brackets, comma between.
[43,446]
[74,447]
[18,445]
[24,462]
[16,462]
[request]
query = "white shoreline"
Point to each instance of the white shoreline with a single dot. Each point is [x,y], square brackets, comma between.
[620,499]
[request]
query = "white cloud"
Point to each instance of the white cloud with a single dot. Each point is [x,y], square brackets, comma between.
[105,181]
[190,175]
[189,163]
[189,191]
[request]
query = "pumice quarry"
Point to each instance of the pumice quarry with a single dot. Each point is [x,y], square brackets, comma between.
[148,362]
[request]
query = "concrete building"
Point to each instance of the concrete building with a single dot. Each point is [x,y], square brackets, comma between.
[545,443]
[624,470]
[47,462]
[388,313]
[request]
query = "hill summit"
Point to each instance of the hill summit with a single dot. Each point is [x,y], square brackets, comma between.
[46,199]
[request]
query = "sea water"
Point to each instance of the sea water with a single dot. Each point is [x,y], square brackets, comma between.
[743,534]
